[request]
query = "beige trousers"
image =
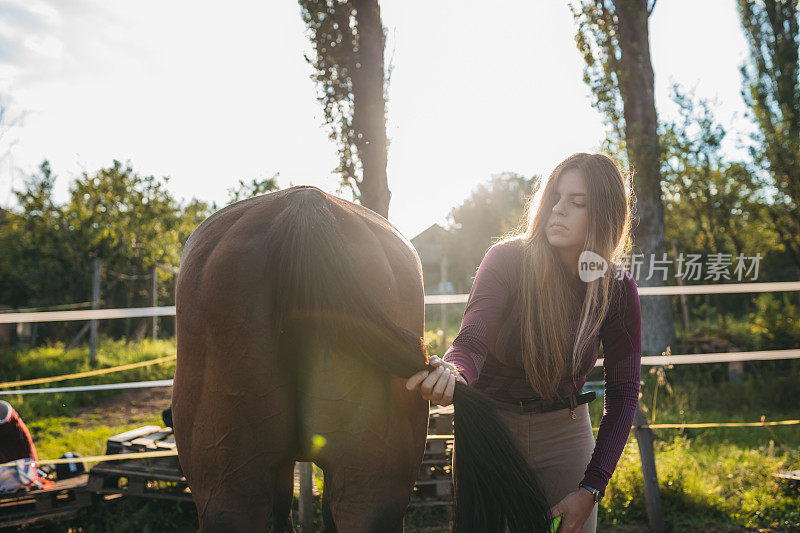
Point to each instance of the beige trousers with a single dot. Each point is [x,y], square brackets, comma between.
[557,447]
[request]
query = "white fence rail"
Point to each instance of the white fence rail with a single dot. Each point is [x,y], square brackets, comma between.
[430,299]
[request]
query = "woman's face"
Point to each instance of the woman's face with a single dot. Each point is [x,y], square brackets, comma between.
[568,223]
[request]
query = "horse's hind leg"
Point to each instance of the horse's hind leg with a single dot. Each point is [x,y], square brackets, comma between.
[372,451]
[234,416]
[282,499]
[370,498]
[328,525]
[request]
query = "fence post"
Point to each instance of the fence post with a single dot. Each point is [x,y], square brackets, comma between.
[682,297]
[95,305]
[443,307]
[155,300]
[306,500]
[644,438]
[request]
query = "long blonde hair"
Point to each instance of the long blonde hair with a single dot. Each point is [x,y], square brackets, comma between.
[549,353]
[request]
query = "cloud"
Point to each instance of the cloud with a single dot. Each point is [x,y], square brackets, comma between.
[71,41]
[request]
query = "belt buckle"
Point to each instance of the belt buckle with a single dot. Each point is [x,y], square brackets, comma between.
[530,408]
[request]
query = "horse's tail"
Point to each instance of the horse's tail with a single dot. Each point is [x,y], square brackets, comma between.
[316,297]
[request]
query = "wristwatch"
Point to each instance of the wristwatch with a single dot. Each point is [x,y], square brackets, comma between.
[596,494]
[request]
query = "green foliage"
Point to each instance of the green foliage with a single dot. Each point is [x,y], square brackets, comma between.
[254,187]
[771,79]
[491,210]
[773,324]
[130,222]
[711,205]
[598,44]
[331,28]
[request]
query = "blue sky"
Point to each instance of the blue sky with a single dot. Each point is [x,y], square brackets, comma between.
[208,96]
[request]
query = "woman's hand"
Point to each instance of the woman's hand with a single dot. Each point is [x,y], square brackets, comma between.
[574,509]
[437,385]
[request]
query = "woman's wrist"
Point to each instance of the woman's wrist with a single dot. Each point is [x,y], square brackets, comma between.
[596,494]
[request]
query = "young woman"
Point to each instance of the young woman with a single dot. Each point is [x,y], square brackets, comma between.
[534,321]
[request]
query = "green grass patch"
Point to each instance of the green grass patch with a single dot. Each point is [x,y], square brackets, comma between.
[719,476]
[54,360]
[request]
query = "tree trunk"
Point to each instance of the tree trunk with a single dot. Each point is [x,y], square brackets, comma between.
[369,107]
[637,90]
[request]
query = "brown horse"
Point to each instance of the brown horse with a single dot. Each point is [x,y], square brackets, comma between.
[299,317]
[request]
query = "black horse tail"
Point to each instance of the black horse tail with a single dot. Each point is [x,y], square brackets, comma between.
[317,298]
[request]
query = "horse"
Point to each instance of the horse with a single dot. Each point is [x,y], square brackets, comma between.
[299,317]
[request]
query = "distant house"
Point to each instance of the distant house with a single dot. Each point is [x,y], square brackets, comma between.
[431,250]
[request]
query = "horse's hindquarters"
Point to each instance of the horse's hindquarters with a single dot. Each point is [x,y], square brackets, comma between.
[251,395]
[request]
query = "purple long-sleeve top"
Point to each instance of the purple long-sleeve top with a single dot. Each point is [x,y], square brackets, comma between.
[487,350]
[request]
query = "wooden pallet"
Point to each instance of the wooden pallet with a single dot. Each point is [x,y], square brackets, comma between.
[434,484]
[64,500]
[158,478]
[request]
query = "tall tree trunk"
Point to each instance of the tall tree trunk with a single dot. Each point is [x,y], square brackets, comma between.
[369,115]
[637,90]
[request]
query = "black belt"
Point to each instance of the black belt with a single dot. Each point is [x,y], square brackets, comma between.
[538,405]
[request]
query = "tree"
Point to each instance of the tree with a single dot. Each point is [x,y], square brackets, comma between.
[772,94]
[254,187]
[34,254]
[130,222]
[613,37]
[490,211]
[712,204]
[349,41]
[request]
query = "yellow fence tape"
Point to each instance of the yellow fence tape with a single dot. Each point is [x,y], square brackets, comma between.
[98,458]
[36,381]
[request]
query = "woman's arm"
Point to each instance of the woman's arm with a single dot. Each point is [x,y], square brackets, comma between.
[481,322]
[622,348]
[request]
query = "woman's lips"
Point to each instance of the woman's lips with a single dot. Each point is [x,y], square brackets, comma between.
[557,225]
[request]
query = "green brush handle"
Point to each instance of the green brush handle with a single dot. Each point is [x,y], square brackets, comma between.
[555,524]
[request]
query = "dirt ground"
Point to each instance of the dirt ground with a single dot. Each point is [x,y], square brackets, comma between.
[129,405]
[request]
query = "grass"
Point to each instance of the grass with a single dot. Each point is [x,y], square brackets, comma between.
[714,475]
[53,360]
[720,476]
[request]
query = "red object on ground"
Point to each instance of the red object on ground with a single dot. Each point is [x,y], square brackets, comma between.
[15,439]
